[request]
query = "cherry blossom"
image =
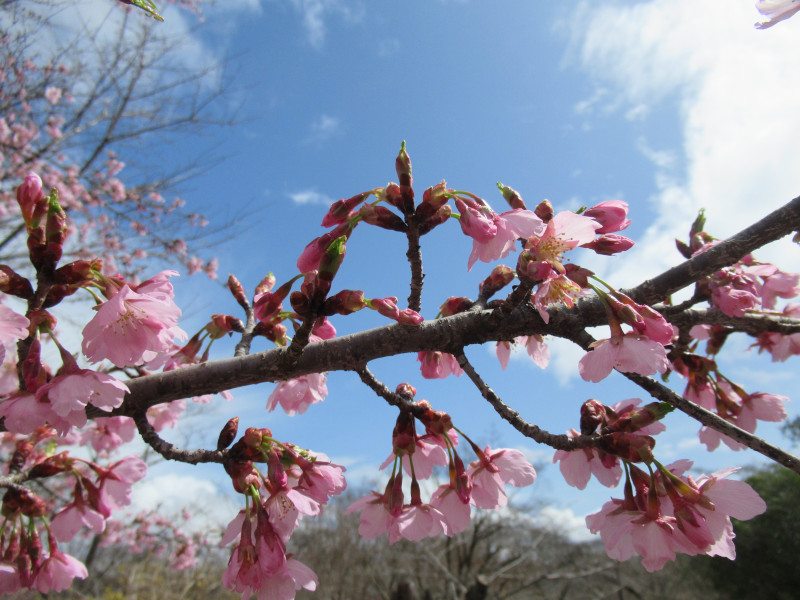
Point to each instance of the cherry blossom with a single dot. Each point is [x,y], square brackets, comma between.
[296,395]
[134,327]
[13,326]
[494,235]
[629,353]
[57,572]
[438,365]
[578,466]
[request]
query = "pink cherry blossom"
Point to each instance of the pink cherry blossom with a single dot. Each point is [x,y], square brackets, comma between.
[72,392]
[611,214]
[52,94]
[429,451]
[57,572]
[13,326]
[296,395]
[166,415]
[108,433]
[578,466]
[534,345]
[375,516]
[493,235]
[438,365]
[290,577]
[68,521]
[555,289]
[23,412]
[628,353]
[493,470]
[116,481]
[778,284]
[133,328]
[456,512]
[321,479]
[564,231]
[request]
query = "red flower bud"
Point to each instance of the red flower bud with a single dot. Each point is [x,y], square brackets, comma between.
[593,413]
[31,200]
[609,244]
[441,216]
[511,196]
[544,211]
[454,305]
[14,284]
[341,209]
[228,433]
[382,217]
[500,277]
[237,290]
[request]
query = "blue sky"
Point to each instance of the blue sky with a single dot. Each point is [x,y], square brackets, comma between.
[669,106]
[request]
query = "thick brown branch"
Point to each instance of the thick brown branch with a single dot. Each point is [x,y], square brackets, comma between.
[449,334]
[753,324]
[774,226]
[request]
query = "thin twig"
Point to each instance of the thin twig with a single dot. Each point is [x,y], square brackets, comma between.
[414,256]
[169,451]
[557,441]
[709,419]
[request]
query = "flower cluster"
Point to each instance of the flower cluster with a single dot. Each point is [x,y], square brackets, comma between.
[297,484]
[97,493]
[664,513]
[482,484]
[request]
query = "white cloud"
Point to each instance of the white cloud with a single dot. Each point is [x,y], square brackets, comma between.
[210,508]
[310,196]
[737,90]
[314,14]
[322,129]
[564,357]
[564,522]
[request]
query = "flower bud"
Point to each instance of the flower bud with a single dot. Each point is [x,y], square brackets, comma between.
[406,390]
[31,200]
[433,199]
[402,165]
[593,413]
[454,305]
[381,217]
[14,284]
[344,302]
[511,196]
[641,417]
[340,210]
[611,214]
[441,216]
[629,446]
[544,211]
[500,277]
[228,433]
[237,290]
[609,244]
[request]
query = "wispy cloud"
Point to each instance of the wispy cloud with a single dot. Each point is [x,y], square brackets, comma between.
[315,14]
[310,196]
[736,90]
[322,129]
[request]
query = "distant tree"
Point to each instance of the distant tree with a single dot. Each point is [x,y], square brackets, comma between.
[78,104]
[768,546]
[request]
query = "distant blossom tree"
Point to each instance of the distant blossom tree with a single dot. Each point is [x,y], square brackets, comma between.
[146,366]
[70,110]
